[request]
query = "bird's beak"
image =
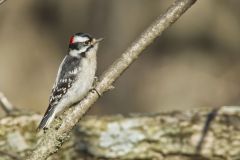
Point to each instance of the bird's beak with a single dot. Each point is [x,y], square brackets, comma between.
[97,40]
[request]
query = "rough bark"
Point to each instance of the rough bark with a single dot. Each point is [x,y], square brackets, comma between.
[198,134]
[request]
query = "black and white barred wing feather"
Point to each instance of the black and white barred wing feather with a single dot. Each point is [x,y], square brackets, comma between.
[65,78]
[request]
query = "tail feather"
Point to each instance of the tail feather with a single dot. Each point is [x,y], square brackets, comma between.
[47,119]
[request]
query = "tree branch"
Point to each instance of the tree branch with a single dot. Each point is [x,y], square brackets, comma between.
[6,105]
[55,136]
[2,1]
[170,136]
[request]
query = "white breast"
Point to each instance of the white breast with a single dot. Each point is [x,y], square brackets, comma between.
[83,83]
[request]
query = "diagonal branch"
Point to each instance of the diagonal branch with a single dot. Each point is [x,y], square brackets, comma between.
[54,138]
[6,105]
[2,1]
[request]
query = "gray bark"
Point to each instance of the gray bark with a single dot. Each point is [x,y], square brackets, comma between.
[199,134]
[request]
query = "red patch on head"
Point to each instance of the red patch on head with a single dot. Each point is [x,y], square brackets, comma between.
[71,40]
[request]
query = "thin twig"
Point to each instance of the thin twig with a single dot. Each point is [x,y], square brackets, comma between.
[209,120]
[2,1]
[54,138]
[6,105]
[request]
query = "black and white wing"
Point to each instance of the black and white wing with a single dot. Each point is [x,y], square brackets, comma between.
[65,78]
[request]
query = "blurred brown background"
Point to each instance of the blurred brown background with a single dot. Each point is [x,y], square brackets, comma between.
[195,63]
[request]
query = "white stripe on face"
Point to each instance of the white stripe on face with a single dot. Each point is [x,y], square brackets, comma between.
[76,53]
[80,39]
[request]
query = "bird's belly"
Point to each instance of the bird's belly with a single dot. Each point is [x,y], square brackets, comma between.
[78,91]
[82,86]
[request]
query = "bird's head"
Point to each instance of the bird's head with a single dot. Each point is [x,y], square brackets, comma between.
[81,43]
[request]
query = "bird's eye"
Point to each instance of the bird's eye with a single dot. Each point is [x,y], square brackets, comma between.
[87,42]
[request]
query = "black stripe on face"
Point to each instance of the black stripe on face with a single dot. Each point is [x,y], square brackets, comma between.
[90,47]
[74,46]
[78,46]
[83,54]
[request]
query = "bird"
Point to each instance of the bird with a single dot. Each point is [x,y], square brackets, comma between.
[75,76]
